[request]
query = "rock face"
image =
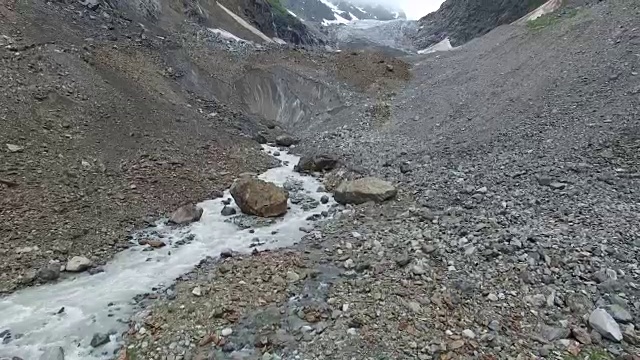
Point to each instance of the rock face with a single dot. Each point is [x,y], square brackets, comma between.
[316,163]
[363,190]
[603,323]
[463,20]
[257,197]
[78,264]
[186,214]
[286,140]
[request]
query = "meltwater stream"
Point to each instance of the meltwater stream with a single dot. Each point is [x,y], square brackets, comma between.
[102,303]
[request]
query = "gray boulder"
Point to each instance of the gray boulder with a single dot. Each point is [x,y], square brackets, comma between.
[228,211]
[286,140]
[49,272]
[363,190]
[316,163]
[78,264]
[256,197]
[186,214]
[604,324]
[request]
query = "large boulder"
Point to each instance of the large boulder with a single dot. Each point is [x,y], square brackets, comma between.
[286,140]
[364,190]
[186,214]
[316,163]
[256,197]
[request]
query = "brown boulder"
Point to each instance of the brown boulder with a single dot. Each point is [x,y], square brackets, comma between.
[256,197]
[316,163]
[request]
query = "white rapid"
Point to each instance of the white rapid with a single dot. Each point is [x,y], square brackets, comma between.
[103,303]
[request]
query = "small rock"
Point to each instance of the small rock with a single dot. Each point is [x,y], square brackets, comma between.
[228,211]
[582,335]
[292,276]
[602,322]
[14,148]
[414,306]
[492,297]
[99,339]
[457,344]
[403,260]
[349,264]
[324,199]
[552,334]
[154,243]
[226,332]
[494,325]
[197,291]
[468,334]
[78,264]
[276,153]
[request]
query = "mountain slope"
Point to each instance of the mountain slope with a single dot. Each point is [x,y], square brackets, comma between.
[463,20]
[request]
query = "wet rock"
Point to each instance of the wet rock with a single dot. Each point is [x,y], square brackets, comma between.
[186,214]
[78,264]
[316,163]
[154,243]
[99,339]
[55,353]
[260,138]
[364,190]
[286,140]
[50,272]
[257,197]
[228,211]
[604,324]
[619,313]
[324,199]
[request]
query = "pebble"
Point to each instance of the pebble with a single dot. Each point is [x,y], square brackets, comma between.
[197,291]
[226,332]
[492,297]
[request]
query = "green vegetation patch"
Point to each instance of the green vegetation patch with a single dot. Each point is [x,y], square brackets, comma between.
[551,18]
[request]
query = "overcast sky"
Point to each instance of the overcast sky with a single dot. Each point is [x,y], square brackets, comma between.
[414,9]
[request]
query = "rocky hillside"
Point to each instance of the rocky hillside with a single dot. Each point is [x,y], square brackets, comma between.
[463,20]
[339,11]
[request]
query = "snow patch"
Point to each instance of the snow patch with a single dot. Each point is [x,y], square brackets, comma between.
[444,45]
[227,35]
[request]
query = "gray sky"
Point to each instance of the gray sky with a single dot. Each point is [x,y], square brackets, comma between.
[414,9]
